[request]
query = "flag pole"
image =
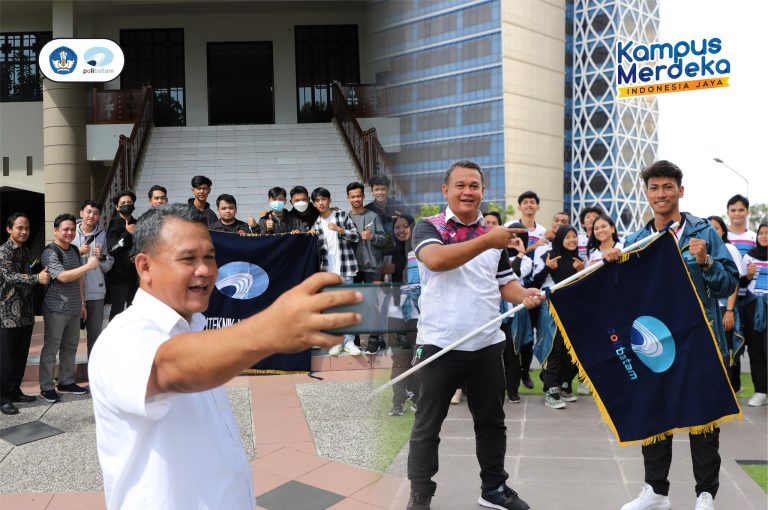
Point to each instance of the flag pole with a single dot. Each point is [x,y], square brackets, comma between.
[517,308]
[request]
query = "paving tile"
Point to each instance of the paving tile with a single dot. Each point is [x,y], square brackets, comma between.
[264,481]
[78,501]
[25,501]
[350,504]
[259,402]
[578,470]
[283,433]
[279,416]
[383,492]
[340,478]
[298,496]
[556,447]
[289,463]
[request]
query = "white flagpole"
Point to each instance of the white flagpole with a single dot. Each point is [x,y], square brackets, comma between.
[503,316]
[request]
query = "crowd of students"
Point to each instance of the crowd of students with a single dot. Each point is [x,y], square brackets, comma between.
[368,243]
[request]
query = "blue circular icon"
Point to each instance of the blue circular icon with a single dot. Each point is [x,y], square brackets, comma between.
[98,57]
[241,280]
[63,60]
[652,342]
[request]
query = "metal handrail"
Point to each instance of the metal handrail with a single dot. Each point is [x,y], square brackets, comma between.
[369,155]
[124,168]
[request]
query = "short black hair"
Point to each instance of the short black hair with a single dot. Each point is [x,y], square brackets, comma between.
[276,192]
[61,218]
[662,168]
[379,180]
[92,203]
[124,193]
[355,185]
[156,187]
[496,215]
[528,194]
[299,189]
[464,163]
[200,180]
[738,198]
[13,217]
[591,209]
[227,198]
[320,192]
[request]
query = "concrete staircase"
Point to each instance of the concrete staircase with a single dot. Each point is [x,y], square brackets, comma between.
[246,161]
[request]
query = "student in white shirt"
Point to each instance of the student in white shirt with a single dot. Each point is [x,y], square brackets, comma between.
[165,433]
[602,239]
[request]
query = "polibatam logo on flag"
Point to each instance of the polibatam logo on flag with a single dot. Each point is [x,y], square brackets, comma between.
[253,273]
[643,342]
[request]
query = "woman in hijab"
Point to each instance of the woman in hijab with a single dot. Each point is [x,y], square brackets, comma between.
[554,266]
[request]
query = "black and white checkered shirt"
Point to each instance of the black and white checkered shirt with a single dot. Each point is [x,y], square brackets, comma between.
[346,249]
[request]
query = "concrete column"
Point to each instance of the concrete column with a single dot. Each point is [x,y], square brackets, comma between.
[67,171]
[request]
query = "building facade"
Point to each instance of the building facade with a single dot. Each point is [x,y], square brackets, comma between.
[608,141]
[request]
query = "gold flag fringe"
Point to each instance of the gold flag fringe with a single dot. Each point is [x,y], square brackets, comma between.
[693,429]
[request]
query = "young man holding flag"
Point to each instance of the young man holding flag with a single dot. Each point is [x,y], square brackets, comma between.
[714,275]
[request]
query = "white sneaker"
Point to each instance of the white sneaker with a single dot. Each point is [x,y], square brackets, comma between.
[456,399]
[705,502]
[757,400]
[583,388]
[649,500]
[336,350]
[352,349]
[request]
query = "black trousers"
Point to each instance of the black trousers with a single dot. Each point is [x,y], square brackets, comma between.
[401,361]
[121,297]
[756,348]
[14,349]
[558,368]
[704,454]
[483,373]
[516,365]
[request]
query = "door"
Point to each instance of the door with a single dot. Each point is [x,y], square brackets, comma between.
[240,83]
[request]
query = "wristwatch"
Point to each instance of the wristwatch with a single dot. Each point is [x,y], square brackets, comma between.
[707,263]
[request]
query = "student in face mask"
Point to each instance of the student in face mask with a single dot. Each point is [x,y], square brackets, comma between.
[275,220]
[122,280]
[303,215]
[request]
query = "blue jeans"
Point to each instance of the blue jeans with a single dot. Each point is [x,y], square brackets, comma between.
[349,280]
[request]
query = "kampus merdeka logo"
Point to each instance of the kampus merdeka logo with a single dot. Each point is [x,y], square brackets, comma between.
[670,67]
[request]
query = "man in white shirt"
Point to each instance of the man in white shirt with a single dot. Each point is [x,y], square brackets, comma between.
[464,271]
[166,437]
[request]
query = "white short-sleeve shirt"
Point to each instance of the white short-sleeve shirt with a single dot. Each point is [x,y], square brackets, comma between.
[171,451]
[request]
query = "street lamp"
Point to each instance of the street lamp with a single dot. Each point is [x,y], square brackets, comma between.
[718,160]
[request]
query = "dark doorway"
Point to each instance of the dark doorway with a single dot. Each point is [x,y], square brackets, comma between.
[240,83]
[155,56]
[324,54]
[33,205]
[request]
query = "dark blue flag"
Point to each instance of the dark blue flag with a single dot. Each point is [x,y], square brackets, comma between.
[253,272]
[641,338]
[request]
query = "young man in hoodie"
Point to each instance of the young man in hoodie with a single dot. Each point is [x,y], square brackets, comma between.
[714,274]
[368,251]
[228,222]
[88,238]
[122,280]
[201,188]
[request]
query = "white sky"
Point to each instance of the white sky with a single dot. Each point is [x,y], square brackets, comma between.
[727,123]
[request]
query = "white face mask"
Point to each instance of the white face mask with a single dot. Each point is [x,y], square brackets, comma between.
[301,206]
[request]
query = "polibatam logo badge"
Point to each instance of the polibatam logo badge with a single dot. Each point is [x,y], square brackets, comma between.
[242,280]
[82,60]
[652,342]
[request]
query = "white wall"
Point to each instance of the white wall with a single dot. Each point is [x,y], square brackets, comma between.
[246,24]
[102,140]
